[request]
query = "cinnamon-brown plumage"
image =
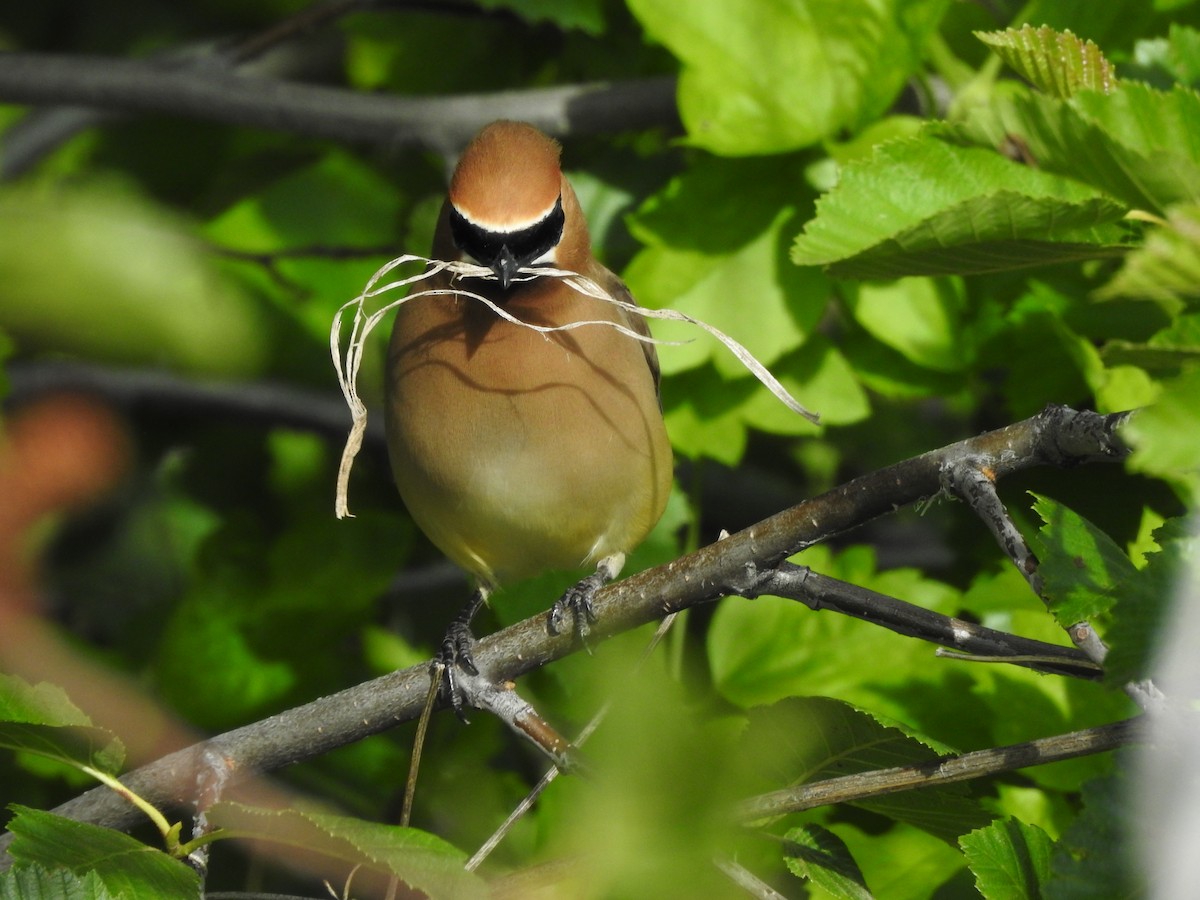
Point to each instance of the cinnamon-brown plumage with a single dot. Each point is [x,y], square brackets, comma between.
[516,451]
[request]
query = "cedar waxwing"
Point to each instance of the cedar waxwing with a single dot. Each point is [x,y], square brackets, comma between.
[519,452]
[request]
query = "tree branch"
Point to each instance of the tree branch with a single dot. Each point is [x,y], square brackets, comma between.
[164,393]
[975,483]
[820,592]
[1057,436]
[947,770]
[444,124]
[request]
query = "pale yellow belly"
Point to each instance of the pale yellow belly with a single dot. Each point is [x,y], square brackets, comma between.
[525,455]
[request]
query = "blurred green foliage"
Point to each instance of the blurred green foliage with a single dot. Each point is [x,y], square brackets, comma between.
[919,245]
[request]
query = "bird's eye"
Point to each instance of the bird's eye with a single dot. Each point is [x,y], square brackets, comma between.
[525,244]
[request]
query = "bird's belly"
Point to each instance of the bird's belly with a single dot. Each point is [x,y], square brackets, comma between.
[511,471]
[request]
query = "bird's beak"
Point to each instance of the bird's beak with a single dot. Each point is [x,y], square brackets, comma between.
[504,267]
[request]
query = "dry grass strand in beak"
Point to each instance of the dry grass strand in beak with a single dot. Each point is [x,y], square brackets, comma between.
[363,323]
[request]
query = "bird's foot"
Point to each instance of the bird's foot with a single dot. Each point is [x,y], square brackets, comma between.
[455,653]
[578,602]
[578,598]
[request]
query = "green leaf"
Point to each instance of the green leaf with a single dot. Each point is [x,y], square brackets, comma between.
[924,207]
[1181,335]
[807,739]
[1087,575]
[220,660]
[761,77]
[1154,129]
[419,859]
[1164,435]
[337,203]
[1177,55]
[1166,351]
[819,855]
[41,719]
[921,318]
[1141,611]
[1056,62]
[886,372]
[42,704]
[704,414]
[1083,570]
[1093,858]
[72,744]
[904,863]
[716,249]
[112,277]
[1011,860]
[35,882]
[820,374]
[708,415]
[656,814]
[126,866]
[1137,144]
[764,651]
[1043,359]
[1166,268]
[1183,53]
[239,677]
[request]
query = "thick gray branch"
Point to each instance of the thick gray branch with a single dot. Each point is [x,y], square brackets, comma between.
[215,94]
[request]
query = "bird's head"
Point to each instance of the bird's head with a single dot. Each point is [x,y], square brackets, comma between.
[509,205]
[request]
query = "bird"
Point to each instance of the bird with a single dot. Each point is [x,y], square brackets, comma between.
[518,452]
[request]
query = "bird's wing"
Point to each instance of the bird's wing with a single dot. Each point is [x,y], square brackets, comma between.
[618,290]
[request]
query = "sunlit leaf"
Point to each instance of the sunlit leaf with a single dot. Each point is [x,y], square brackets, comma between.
[1166,268]
[762,77]
[704,414]
[1163,434]
[1082,568]
[1010,860]
[904,863]
[716,249]
[1137,144]
[924,207]
[921,318]
[764,650]
[820,374]
[1056,62]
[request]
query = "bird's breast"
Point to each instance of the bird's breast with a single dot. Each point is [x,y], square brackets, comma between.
[518,451]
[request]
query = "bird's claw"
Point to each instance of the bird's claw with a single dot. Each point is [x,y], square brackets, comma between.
[578,601]
[454,654]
